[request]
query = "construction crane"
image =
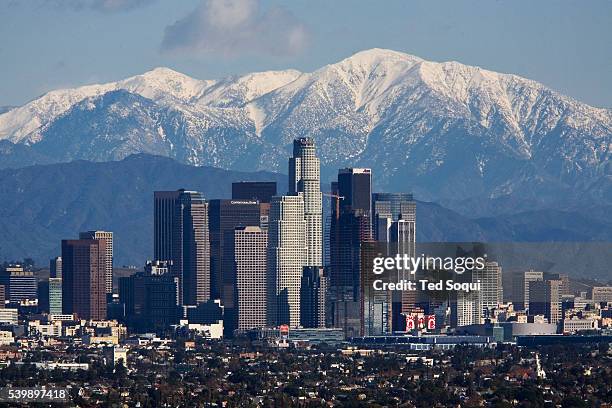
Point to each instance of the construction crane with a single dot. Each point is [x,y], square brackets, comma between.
[337,197]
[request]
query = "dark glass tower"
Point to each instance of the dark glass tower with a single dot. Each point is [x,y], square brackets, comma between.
[261,191]
[150,298]
[181,237]
[313,297]
[351,226]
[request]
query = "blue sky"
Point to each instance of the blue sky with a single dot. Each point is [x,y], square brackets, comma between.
[49,44]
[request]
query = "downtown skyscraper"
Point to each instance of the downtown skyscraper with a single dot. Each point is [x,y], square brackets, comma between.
[84,266]
[295,234]
[491,287]
[223,217]
[305,179]
[394,223]
[181,236]
[250,246]
[107,236]
[287,256]
[351,227]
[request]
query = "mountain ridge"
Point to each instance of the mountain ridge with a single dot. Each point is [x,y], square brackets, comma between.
[447,131]
[42,204]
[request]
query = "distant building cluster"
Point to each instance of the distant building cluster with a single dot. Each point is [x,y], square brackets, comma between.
[263,262]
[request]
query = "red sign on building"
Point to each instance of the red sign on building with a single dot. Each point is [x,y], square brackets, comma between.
[414,321]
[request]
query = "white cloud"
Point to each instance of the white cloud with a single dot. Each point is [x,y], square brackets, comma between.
[231,27]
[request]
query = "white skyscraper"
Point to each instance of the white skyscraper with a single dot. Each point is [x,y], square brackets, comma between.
[491,289]
[250,246]
[305,178]
[467,309]
[287,256]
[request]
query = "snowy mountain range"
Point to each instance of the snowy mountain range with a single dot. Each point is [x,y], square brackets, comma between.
[446,131]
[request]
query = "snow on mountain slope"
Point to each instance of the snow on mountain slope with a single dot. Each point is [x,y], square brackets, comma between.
[162,85]
[237,91]
[18,123]
[441,129]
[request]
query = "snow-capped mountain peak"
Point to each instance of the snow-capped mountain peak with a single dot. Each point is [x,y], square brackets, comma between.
[432,123]
[164,82]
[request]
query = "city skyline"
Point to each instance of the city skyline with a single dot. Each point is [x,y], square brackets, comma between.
[241,264]
[261,203]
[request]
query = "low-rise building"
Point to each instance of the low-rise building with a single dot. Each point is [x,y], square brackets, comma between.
[9,316]
[576,325]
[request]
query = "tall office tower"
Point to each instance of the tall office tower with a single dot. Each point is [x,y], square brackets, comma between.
[565,282]
[150,297]
[520,287]
[22,284]
[394,222]
[379,312]
[391,207]
[351,226]
[181,237]
[491,289]
[261,191]
[2,297]
[305,178]
[287,255]
[466,309]
[55,267]
[84,278]
[250,246]
[223,217]
[545,299]
[313,297]
[55,296]
[108,238]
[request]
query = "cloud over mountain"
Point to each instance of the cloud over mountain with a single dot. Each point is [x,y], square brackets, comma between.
[229,27]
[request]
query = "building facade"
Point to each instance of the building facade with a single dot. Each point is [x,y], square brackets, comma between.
[150,298]
[55,296]
[305,179]
[602,294]
[287,255]
[520,286]
[181,236]
[22,284]
[351,227]
[491,287]
[107,236]
[313,297]
[251,280]
[261,191]
[223,217]
[84,278]
[545,299]
[55,267]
